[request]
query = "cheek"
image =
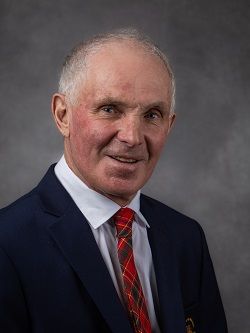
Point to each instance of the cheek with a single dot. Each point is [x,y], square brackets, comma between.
[89,136]
[78,134]
[156,145]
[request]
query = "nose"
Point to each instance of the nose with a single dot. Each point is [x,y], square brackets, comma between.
[130,130]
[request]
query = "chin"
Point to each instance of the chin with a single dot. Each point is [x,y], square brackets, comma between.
[124,186]
[124,194]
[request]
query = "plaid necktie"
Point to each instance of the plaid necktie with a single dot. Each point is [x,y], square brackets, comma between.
[133,293]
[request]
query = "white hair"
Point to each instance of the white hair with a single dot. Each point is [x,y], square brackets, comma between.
[74,64]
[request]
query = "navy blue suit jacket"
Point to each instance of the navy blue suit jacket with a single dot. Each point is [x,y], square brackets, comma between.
[53,278]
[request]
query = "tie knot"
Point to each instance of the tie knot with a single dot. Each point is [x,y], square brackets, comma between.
[123,222]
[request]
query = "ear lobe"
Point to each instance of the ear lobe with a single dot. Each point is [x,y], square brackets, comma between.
[60,113]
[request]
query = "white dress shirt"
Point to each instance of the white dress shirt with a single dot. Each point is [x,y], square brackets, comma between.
[98,210]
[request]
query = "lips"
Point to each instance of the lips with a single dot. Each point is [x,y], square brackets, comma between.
[124,159]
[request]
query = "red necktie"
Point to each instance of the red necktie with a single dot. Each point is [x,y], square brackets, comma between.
[133,293]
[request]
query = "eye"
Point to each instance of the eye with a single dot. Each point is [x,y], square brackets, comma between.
[108,109]
[153,115]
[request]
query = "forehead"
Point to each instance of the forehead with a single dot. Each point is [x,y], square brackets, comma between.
[126,69]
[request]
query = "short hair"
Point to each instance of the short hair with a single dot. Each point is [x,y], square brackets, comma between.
[73,66]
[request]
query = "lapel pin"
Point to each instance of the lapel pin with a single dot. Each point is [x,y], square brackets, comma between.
[190,325]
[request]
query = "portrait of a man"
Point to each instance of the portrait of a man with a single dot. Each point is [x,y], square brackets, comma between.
[86,250]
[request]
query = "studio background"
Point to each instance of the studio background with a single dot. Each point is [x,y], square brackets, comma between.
[204,170]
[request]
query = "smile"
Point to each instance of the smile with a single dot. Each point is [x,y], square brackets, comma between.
[124,159]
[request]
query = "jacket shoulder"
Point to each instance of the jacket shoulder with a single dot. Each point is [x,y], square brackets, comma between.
[160,208]
[21,206]
[24,208]
[170,219]
[17,216]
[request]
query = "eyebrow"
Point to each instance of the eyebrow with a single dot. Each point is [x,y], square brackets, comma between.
[110,101]
[158,104]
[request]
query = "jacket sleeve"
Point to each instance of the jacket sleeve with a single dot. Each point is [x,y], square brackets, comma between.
[211,316]
[13,311]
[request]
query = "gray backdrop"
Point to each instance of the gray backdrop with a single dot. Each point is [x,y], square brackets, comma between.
[204,171]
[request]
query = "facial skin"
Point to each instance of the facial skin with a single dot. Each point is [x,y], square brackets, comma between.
[114,133]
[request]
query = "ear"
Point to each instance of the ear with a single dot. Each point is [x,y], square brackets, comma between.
[60,113]
[172,117]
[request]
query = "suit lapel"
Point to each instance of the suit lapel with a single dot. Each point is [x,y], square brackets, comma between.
[75,239]
[166,270]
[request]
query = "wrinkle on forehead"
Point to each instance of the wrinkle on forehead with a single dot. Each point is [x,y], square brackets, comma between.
[116,53]
[120,69]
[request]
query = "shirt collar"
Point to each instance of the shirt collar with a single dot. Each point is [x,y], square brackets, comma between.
[95,207]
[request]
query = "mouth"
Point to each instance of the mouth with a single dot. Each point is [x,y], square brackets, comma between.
[124,159]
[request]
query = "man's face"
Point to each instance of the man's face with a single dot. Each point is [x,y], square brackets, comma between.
[119,124]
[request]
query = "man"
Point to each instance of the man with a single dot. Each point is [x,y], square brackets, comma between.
[85,251]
